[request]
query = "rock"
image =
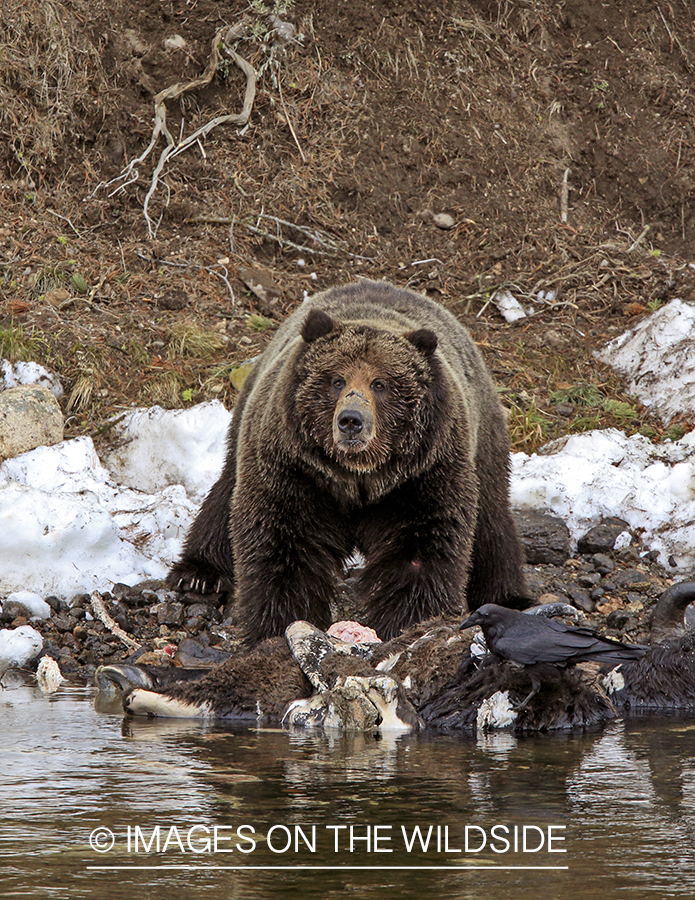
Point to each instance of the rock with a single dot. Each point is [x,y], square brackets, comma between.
[283,32]
[602,564]
[48,675]
[262,284]
[58,296]
[29,417]
[618,619]
[443,221]
[54,603]
[580,599]
[201,610]
[602,537]
[546,538]
[195,655]
[536,582]
[589,579]
[25,603]
[239,374]
[169,612]
[633,579]
[134,43]
[175,42]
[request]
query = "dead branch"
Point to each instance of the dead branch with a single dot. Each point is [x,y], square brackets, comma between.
[222,41]
[564,197]
[223,276]
[100,612]
[323,244]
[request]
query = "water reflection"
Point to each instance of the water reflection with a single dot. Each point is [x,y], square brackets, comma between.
[623,799]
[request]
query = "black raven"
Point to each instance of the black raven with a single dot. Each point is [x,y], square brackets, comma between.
[536,642]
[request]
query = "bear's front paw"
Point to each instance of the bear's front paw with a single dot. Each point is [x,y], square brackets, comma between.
[197,578]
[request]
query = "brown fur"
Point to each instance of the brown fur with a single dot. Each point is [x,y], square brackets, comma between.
[369,423]
[256,685]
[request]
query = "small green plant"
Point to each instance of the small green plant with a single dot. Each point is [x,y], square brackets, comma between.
[578,394]
[619,409]
[588,422]
[53,275]
[674,432]
[16,344]
[600,87]
[187,395]
[259,323]
[79,283]
[528,428]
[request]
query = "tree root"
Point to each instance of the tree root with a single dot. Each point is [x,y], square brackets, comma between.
[222,41]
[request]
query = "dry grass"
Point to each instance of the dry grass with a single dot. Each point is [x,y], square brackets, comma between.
[189,339]
[49,76]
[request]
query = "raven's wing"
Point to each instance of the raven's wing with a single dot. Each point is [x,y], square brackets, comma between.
[552,642]
[530,646]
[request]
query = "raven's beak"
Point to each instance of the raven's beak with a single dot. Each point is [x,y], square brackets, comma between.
[473,619]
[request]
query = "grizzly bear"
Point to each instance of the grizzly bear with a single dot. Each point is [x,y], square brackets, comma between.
[369,424]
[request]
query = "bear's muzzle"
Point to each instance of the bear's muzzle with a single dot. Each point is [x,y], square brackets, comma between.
[353,423]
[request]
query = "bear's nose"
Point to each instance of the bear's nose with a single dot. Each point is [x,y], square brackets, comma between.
[350,422]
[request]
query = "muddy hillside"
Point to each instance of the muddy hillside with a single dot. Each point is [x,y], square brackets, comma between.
[175,175]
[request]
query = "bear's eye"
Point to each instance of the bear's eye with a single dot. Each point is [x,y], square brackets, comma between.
[378,385]
[338,383]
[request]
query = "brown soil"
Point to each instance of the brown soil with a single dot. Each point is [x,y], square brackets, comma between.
[379,117]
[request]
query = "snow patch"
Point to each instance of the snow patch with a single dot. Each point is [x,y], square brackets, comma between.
[18,646]
[658,355]
[158,447]
[14,374]
[68,528]
[34,604]
[604,473]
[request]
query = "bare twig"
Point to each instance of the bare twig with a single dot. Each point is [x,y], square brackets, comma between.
[65,219]
[639,239]
[289,121]
[324,244]
[100,612]
[188,265]
[564,197]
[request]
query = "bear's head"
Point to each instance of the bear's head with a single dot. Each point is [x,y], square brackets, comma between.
[363,392]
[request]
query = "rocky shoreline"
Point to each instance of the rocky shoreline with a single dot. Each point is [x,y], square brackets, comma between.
[608,580]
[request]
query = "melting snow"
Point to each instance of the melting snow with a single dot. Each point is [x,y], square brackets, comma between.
[658,355]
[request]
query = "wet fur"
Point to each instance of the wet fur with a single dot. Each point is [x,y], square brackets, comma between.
[257,685]
[441,685]
[662,680]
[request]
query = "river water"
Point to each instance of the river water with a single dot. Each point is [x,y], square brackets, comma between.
[95,806]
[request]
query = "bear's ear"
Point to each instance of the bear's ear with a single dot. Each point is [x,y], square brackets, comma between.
[317,324]
[423,340]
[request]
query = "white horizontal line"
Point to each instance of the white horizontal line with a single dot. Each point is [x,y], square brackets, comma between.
[191,868]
